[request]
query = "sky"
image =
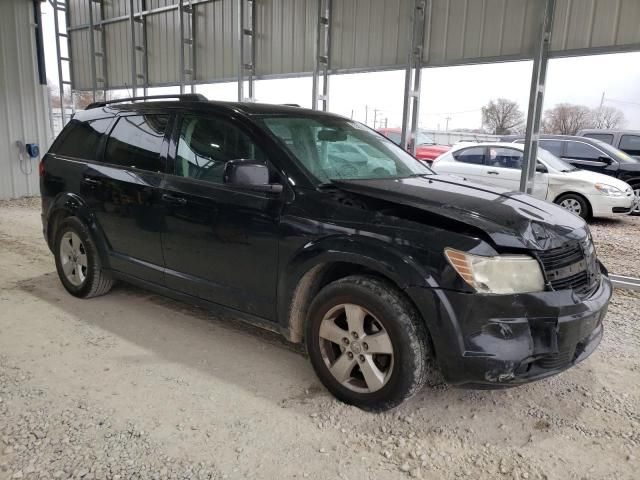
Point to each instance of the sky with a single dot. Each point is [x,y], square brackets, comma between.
[453,93]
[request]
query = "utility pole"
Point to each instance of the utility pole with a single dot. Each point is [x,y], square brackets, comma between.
[446,128]
[375,117]
[601,101]
[366,114]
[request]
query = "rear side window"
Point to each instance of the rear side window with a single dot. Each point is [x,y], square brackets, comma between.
[136,140]
[553,146]
[582,150]
[630,144]
[603,137]
[82,139]
[474,155]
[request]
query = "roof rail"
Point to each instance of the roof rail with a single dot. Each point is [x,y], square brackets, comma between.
[188,97]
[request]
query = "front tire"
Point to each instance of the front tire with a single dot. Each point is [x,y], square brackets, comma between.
[575,204]
[635,209]
[78,261]
[367,343]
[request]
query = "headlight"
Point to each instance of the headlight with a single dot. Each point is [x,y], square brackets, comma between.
[499,274]
[609,190]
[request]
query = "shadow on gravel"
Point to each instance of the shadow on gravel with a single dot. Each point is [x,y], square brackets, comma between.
[235,352]
[263,363]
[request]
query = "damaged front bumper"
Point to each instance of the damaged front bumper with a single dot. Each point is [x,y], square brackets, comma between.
[494,341]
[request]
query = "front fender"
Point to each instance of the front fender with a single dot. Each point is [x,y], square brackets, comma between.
[373,254]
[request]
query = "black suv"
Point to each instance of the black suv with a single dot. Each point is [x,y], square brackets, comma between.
[592,154]
[317,227]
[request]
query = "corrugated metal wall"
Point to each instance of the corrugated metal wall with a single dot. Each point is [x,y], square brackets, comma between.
[365,35]
[24,114]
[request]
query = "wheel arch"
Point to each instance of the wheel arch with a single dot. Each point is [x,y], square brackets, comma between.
[71,205]
[577,194]
[323,262]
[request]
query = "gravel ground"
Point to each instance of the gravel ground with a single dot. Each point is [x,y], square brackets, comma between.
[133,385]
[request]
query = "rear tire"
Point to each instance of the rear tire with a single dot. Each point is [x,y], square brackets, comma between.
[575,204]
[78,261]
[367,343]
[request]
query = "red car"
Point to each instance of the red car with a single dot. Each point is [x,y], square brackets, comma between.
[426,148]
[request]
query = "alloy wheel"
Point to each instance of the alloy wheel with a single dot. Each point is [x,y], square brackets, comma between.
[73,258]
[356,348]
[572,205]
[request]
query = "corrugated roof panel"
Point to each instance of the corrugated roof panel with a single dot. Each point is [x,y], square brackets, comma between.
[285,36]
[78,12]
[116,8]
[118,39]
[81,74]
[216,40]
[464,31]
[365,35]
[163,43]
[368,34]
[584,24]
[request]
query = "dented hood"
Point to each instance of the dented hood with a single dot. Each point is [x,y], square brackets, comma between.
[510,219]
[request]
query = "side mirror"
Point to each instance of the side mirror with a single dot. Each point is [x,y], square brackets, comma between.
[607,160]
[540,168]
[250,175]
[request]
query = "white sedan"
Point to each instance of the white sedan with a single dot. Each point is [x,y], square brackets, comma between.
[585,193]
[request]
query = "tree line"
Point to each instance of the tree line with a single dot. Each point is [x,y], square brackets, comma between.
[503,117]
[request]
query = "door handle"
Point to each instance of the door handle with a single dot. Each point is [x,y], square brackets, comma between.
[493,172]
[173,199]
[91,181]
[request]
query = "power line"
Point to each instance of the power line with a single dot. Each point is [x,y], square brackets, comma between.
[453,113]
[621,101]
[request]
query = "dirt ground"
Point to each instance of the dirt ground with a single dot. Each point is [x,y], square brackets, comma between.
[133,385]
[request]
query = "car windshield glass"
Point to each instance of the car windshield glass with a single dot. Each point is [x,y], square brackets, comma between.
[616,154]
[339,149]
[424,139]
[554,162]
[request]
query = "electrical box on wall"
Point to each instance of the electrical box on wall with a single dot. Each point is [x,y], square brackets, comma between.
[33,150]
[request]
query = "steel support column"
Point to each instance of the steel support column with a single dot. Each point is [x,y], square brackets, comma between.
[411,107]
[322,55]
[246,45]
[134,71]
[536,98]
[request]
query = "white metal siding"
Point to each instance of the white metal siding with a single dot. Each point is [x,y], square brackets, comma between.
[24,113]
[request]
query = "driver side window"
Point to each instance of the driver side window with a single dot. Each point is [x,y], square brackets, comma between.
[206,144]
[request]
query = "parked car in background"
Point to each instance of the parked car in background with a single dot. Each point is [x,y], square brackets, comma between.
[626,140]
[382,268]
[582,192]
[595,155]
[426,147]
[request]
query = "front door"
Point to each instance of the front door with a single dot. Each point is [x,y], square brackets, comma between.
[588,157]
[124,191]
[504,169]
[220,242]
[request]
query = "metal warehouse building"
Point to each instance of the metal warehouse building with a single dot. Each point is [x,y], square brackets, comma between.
[137,44]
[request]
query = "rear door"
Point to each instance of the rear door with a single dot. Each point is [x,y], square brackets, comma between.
[467,163]
[220,241]
[125,194]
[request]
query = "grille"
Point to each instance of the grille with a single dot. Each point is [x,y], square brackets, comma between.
[572,267]
[556,360]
